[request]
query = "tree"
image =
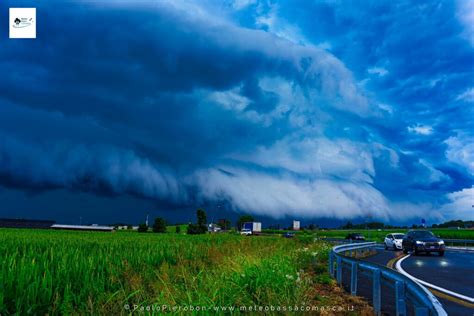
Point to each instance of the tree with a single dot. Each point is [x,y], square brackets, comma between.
[201,217]
[456,223]
[159,226]
[312,227]
[178,229]
[142,228]
[375,225]
[129,227]
[348,225]
[244,219]
[201,226]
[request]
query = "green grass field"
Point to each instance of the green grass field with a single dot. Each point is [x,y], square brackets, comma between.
[66,272]
[172,229]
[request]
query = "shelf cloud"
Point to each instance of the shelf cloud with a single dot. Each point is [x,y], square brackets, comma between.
[188,102]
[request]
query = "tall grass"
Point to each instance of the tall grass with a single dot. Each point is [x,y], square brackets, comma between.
[380,235]
[61,272]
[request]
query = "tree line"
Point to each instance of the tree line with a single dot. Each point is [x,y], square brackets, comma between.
[200,227]
[380,225]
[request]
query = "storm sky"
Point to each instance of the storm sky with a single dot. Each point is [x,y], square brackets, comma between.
[282,109]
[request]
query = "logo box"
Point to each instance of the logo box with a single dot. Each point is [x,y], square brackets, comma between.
[22,22]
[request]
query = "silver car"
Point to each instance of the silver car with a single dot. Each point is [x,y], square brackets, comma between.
[394,241]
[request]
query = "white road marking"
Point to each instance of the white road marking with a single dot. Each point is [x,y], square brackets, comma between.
[463,249]
[443,290]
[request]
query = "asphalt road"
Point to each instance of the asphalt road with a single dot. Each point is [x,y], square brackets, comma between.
[454,272]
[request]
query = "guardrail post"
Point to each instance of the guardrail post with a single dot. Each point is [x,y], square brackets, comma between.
[354,278]
[377,302]
[406,291]
[339,271]
[400,298]
[421,311]
[331,264]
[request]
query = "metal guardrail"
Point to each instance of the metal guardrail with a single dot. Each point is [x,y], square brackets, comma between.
[341,240]
[406,290]
[459,242]
[465,242]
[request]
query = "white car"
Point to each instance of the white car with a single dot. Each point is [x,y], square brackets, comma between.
[246,232]
[394,241]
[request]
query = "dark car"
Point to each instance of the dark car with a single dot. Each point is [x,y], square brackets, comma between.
[422,241]
[289,235]
[355,236]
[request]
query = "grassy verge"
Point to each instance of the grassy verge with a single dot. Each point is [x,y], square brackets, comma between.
[377,235]
[380,235]
[65,272]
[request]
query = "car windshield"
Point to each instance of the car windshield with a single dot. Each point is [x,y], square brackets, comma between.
[423,234]
[398,236]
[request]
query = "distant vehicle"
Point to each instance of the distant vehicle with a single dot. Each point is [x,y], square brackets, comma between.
[254,227]
[419,241]
[355,236]
[246,232]
[213,228]
[288,235]
[394,241]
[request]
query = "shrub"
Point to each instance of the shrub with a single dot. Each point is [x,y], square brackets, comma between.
[195,229]
[201,226]
[159,226]
[142,228]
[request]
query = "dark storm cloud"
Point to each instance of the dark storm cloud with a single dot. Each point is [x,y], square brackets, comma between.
[196,102]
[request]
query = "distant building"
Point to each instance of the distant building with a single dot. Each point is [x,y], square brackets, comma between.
[45,224]
[224,224]
[296,225]
[93,227]
[25,223]
[125,227]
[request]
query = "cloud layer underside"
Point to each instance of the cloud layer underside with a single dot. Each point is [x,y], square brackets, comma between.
[183,105]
